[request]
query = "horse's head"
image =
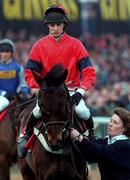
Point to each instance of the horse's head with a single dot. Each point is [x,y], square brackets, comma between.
[53,100]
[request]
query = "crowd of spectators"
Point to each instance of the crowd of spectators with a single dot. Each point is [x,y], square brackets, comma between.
[111,57]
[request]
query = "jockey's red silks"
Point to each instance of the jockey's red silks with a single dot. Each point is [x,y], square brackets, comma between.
[68,51]
[4,112]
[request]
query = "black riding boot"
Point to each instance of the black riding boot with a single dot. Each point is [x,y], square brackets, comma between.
[90,126]
[22,150]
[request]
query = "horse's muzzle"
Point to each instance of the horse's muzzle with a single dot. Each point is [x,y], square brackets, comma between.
[56,147]
[55,143]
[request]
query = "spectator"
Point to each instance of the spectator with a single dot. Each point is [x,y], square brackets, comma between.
[112,153]
[109,54]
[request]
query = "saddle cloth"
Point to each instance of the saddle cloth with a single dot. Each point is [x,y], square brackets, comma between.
[3,113]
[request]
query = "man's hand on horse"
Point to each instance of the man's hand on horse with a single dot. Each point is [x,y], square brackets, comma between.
[75,98]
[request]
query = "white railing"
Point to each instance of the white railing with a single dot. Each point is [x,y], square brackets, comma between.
[100,124]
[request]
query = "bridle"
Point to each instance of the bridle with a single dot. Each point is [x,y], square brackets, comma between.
[44,126]
[65,125]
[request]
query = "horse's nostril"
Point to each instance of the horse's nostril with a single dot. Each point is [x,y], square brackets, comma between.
[55,143]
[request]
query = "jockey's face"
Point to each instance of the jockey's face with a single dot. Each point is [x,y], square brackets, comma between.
[115,126]
[56,29]
[5,56]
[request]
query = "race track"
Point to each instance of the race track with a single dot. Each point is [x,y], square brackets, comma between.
[93,173]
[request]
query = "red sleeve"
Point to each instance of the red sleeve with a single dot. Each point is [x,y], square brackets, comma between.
[34,57]
[30,79]
[88,78]
[80,51]
[87,70]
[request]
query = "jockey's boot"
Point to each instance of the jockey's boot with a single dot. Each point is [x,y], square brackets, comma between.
[21,149]
[90,126]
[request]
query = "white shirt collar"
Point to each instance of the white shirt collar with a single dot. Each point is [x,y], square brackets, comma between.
[116,138]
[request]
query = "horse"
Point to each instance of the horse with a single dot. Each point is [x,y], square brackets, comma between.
[54,155]
[8,134]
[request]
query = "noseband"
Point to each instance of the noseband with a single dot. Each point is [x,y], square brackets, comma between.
[45,126]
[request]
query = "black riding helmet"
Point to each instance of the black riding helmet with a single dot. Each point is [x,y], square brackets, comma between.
[55,14]
[6,45]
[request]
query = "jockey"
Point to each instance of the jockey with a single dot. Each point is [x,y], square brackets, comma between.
[11,74]
[59,47]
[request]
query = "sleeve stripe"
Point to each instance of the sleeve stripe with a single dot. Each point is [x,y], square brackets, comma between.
[84,63]
[33,65]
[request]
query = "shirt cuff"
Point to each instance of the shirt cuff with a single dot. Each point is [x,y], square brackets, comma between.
[81,91]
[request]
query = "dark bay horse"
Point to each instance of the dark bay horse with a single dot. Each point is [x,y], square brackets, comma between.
[8,137]
[54,156]
[8,134]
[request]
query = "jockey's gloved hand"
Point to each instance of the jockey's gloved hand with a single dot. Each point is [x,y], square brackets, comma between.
[75,98]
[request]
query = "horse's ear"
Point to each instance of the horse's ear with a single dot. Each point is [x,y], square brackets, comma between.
[37,78]
[58,81]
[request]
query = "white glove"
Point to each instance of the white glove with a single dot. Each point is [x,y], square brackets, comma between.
[81,91]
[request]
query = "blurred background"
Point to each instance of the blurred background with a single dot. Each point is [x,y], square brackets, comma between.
[102,25]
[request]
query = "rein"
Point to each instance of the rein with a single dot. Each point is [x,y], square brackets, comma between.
[55,123]
[22,104]
[73,145]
